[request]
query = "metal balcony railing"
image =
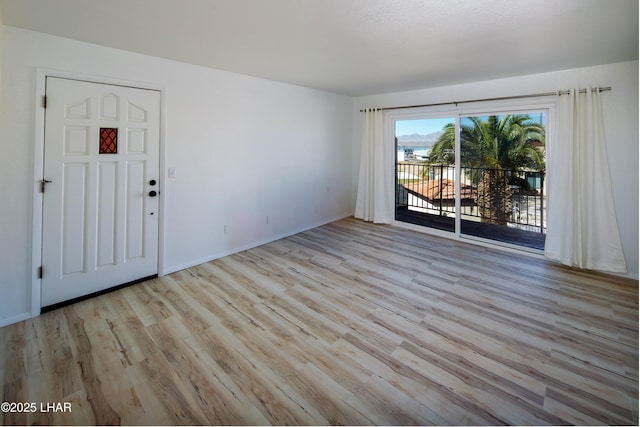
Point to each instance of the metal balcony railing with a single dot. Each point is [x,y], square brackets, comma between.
[431,189]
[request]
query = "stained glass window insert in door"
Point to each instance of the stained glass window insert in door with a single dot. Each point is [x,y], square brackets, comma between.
[108,141]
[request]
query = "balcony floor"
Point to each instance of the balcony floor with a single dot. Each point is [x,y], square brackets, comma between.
[499,233]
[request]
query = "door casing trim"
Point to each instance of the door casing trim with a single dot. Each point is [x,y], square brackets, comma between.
[38,168]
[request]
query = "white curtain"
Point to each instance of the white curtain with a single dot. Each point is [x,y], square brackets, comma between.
[374,201]
[582,230]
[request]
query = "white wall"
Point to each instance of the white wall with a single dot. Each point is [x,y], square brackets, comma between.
[243,149]
[620,110]
[1,52]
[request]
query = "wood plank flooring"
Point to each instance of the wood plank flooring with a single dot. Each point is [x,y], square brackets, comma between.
[350,323]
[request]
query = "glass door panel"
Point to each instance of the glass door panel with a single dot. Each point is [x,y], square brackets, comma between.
[502,171]
[425,183]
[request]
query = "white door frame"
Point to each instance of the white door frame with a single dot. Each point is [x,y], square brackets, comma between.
[38,168]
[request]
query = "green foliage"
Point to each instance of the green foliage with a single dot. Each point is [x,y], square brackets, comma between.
[508,142]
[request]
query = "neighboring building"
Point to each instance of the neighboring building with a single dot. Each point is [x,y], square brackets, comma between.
[439,195]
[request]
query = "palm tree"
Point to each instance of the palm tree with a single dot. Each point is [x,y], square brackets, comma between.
[489,148]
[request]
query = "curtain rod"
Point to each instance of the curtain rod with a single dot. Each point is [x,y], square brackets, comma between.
[502,98]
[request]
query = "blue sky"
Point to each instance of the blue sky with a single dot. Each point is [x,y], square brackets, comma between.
[421,126]
[426,126]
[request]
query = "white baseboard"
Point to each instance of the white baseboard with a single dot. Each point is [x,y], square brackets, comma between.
[15,319]
[183,266]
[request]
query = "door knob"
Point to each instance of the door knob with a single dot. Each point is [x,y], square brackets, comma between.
[152,193]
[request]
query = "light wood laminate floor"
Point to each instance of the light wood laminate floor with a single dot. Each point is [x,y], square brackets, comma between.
[349,323]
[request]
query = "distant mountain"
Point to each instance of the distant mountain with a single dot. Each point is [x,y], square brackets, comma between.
[417,140]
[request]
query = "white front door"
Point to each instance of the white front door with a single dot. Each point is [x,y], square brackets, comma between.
[100,208]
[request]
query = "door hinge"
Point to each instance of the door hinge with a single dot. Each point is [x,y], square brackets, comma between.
[44,101]
[40,272]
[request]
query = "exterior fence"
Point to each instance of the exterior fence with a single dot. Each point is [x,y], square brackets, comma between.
[515,198]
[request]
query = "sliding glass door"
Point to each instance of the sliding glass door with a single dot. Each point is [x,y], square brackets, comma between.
[425,190]
[503,158]
[488,171]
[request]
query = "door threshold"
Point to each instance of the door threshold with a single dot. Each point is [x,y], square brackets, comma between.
[94,294]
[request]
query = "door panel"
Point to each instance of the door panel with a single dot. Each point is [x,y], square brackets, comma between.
[503,160]
[74,215]
[100,225]
[107,213]
[135,210]
[425,187]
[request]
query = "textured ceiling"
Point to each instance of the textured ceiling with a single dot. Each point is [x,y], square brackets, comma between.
[353,47]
